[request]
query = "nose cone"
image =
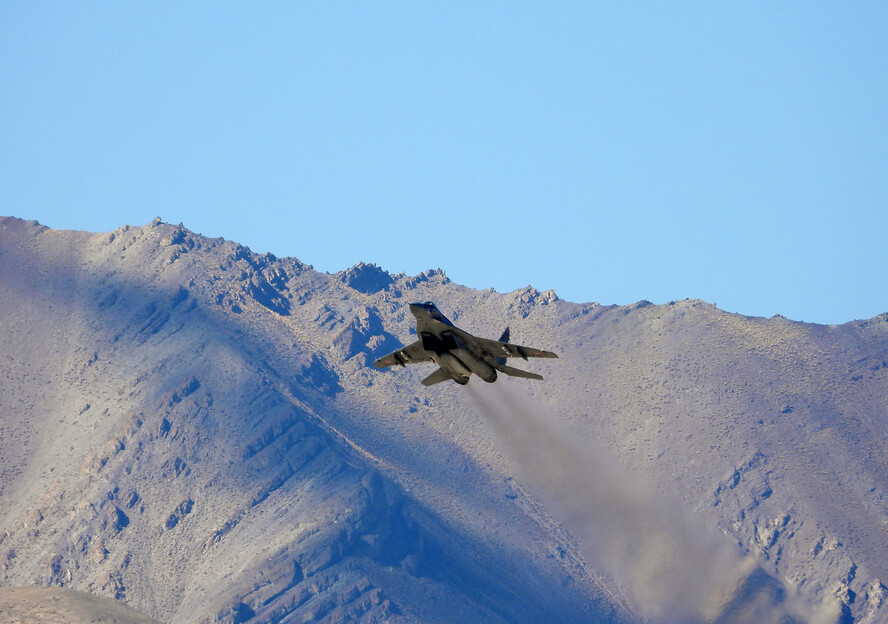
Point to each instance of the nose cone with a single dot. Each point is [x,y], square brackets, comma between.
[417,309]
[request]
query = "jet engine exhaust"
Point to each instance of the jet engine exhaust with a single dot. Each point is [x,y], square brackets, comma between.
[673,569]
[481,368]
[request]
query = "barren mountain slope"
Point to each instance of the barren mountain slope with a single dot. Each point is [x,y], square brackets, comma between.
[55,604]
[194,429]
[164,443]
[772,431]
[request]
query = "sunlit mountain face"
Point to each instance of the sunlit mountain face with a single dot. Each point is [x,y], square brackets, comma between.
[196,431]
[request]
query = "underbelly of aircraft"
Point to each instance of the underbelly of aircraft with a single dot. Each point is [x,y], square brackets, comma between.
[462,363]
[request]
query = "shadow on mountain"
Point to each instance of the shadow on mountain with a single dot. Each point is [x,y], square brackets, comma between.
[321,376]
[212,489]
[759,599]
[365,336]
[366,278]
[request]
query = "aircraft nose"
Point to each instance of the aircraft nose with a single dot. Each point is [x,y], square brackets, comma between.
[416,308]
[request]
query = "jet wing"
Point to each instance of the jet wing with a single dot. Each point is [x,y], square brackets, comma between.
[411,354]
[506,349]
[514,372]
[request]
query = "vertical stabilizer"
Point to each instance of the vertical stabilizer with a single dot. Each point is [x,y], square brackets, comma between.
[504,338]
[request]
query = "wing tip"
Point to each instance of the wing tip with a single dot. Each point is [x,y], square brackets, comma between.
[543,354]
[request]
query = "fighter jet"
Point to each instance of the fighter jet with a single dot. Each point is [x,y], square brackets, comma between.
[457,352]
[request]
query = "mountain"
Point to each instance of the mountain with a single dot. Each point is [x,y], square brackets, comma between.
[56,604]
[194,429]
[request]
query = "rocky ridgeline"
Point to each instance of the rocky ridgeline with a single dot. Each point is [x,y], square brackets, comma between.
[185,464]
[194,429]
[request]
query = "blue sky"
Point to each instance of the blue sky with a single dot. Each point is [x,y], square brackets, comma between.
[732,152]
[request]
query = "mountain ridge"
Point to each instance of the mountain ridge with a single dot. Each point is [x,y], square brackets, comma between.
[171,351]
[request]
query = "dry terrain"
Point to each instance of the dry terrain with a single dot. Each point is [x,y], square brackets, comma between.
[39,605]
[194,430]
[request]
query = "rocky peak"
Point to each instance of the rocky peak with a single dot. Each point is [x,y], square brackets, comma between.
[366,278]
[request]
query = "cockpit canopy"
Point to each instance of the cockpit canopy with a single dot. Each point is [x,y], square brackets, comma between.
[433,311]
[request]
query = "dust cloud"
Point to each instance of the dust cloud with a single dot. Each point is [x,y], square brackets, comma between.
[673,570]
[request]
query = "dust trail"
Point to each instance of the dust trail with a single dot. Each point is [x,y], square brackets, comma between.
[675,571]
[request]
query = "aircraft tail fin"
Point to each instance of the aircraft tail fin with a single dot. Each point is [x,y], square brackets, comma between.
[503,338]
[437,377]
[516,372]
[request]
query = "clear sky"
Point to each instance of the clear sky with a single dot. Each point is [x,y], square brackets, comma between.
[732,152]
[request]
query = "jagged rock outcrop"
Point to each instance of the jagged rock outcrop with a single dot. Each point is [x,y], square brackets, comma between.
[366,278]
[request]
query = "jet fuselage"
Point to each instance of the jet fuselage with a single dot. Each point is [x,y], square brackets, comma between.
[458,353]
[446,348]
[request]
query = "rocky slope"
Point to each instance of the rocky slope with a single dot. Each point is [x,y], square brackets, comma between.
[55,604]
[194,429]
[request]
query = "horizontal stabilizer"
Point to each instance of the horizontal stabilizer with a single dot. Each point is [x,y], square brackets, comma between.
[515,372]
[437,377]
